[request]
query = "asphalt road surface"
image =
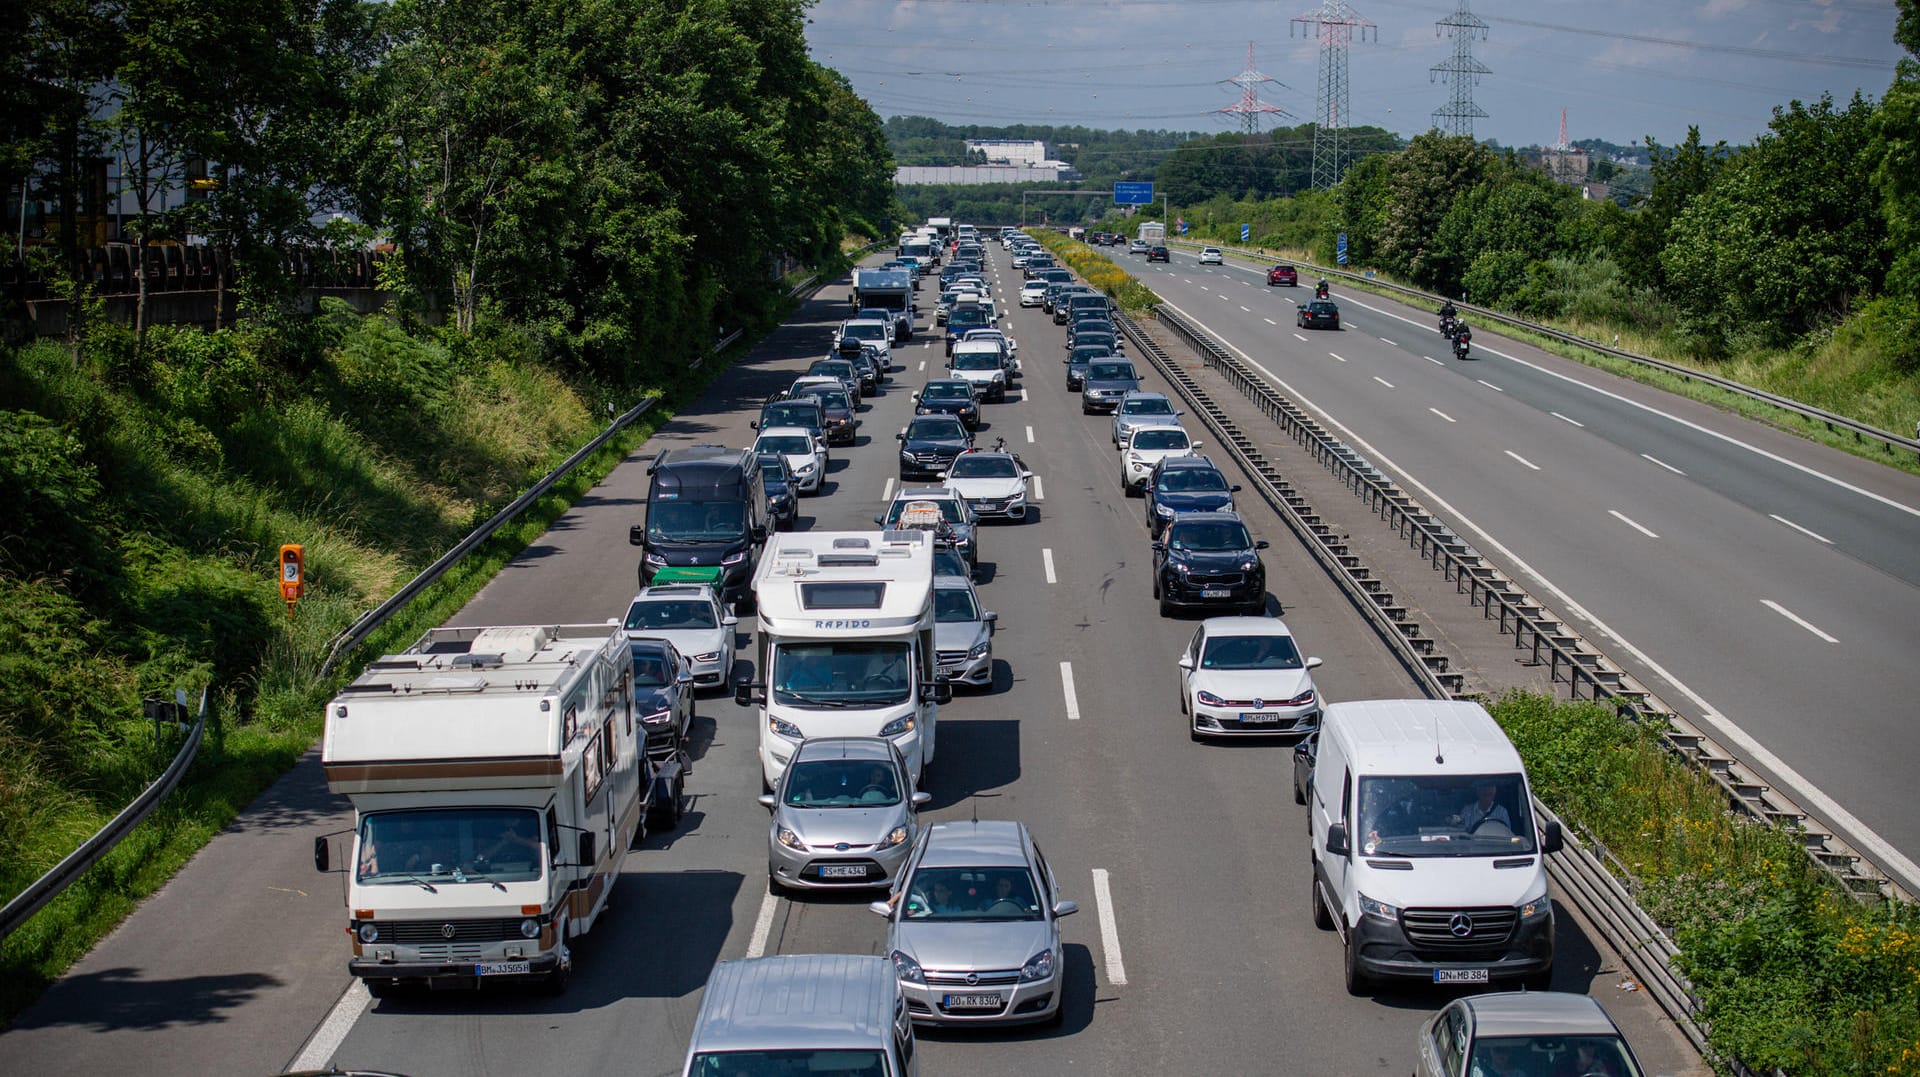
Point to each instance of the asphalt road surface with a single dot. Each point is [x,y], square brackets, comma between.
[1199,956]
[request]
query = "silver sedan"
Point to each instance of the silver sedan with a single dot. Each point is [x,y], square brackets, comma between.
[843,816]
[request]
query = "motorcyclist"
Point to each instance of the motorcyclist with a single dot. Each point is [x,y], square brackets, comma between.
[1320,290]
[1462,336]
[1449,318]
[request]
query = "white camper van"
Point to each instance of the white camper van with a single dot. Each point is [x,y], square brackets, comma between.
[1425,854]
[845,644]
[497,778]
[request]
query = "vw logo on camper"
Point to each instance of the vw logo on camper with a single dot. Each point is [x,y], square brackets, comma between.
[446,931]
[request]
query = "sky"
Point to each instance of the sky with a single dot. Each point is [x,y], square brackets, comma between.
[1622,69]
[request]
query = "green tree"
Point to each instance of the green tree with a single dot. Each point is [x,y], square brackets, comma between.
[1676,177]
[1896,159]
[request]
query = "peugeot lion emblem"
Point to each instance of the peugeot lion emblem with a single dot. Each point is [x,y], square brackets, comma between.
[1461,925]
[446,931]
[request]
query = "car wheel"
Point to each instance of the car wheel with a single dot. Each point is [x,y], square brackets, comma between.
[1539,981]
[1166,610]
[1194,735]
[775,887]
[1358,982]
[664,813]
[1322,916]
[557,980]
[382,989]
[1299,794]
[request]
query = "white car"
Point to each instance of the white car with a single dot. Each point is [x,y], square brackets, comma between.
[981,364]
[869,331]
[1139,410]
[1010,349]
[1211,256]
[1033,293]
[973,284]
[806,455]
[991,483]
[692,618]
[1148,446]
[1245,676]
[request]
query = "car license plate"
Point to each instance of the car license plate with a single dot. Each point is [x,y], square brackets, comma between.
[973,1002]
[1259,717]
[1215,593]
[843,871]
[1459,976]
[503,968]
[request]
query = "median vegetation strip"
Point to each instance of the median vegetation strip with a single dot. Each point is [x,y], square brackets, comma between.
[1791,972]
[1099,271]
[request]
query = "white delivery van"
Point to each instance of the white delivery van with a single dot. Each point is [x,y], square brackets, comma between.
[845,644]
[1425,855]
[497,778]
[834,1015]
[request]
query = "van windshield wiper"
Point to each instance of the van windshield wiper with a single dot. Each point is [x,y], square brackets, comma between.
[815,701]
[423,884]
[476,876]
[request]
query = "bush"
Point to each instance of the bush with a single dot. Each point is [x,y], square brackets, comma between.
[1100,272]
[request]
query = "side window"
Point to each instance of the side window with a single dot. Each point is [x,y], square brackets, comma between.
[1346,800]
[1454,1055]
[903,1036]
[1046,874]
[1193,648]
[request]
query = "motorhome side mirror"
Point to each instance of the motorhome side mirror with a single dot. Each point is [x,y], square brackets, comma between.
[767,801]
[942,691]
[922,799]
[1337,840]
[637,535]
[748,694]
[587,849]
[1065,908]
[322,855]
[1552,840]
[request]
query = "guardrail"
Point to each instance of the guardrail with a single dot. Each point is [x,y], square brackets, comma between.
[48,886]
[1833,422]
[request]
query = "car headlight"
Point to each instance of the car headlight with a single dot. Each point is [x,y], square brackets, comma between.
[656,559]
[656,718]
[805,469]
[907,455]
[1162,510]
[980,649]
[368,931]
[530,928]
[896,836]
[899,727]
[710,656]
[1038,967]
[1538,907]
[907,968]
[1303,699]
[734,558]
[1370,907]
[783,728]
[1180,566]
[1209,698]
[789,839]
[1246,566]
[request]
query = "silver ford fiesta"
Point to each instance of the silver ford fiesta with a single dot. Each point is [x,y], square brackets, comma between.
[843,816]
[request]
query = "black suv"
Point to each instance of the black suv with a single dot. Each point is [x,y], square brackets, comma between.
[1208,560]
[1183,484]
[929,444]
[1319,314]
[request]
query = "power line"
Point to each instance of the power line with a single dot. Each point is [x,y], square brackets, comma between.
[1249,108]
[1334,23]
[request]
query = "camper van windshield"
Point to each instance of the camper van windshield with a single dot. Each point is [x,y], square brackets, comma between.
[1445,815]
[824,1062]
[696,521]
[450,844]
[842,673]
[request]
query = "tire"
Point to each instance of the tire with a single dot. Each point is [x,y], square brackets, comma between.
[555,983]
[1299,794]
[382,989]
[1166,610]
[1194,734]
[664,816]
[1359,984]
[1322,916]
[775,888]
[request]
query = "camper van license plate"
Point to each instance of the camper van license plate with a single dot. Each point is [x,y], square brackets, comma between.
[503,968]
[1459,976]
[974,1002]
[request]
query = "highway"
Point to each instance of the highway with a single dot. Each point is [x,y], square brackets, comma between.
[1199,955]
[1762,585]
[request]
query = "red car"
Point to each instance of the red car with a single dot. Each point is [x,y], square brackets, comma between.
[1283,274]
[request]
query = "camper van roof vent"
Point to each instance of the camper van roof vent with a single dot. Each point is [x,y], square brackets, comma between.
[393,662]
[828,559]
[476,661]
[457,684]
[851,542]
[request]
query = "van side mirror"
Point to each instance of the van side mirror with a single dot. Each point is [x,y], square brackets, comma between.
[749,694]
[322,854]
[637,535]
[1552,840]
[922,799]
[1337,840]
[587,849]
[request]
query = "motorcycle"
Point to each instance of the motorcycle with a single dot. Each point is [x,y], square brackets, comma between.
[1461,344]
[1449,325]
[1321,290]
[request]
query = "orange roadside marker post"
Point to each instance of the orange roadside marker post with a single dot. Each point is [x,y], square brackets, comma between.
[293,574]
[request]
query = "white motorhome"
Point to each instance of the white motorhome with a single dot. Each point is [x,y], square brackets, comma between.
[1153,233]
[497,778]
[1425,855]
[845,644]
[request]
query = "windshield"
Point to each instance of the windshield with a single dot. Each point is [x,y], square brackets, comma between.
[1583,1056]
[967,317]
[1160,439]
[978,466]
[1264,651]
[833,368]
[696,521]
[1090,352]
[787,444]
[650,667]
[922,429]
[977,361]
[946,391]
[948,562]
[662,614]
[1192,480]
[829,398]
[449,844]
[1149,406]
[954,605]
[842,673]
[1209,535]
[842,783]
[773,474]
[972,894]
[1094,339]
[1111,371]
[802,415]
[823,1062]
[866,331]
[949,508]
[1445,815]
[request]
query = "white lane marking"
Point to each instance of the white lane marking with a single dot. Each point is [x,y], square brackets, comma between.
[1824,807]
[1037,494]
[1384,340]
[1443,415]
[923,364]
[1662,463]
[1338,356]
[1564,419]
[1269,321]
[1248,311]
[333,1031]
[1523,459]
[1489,385]
[1225,297]
[1810,534]
[1029,435]
[1189,280]
[1300,338]
[1379,379]
[1066,687]
[1109,930]
[886,494]
[1630,523]
[1046,562]
[763,925]
[1795,618]
[1432,360]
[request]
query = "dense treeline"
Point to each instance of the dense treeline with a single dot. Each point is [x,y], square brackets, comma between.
[1274,164]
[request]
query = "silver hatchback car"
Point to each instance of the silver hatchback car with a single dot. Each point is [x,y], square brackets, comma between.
[843,816]
[975,927]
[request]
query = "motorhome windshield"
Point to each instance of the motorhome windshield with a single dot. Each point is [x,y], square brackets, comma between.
[1445,815]
[441,845]
[829,1062]
[696,521]
[842,673]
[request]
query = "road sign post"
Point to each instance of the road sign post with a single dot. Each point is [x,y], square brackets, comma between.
[1246,232]
[1132,194]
